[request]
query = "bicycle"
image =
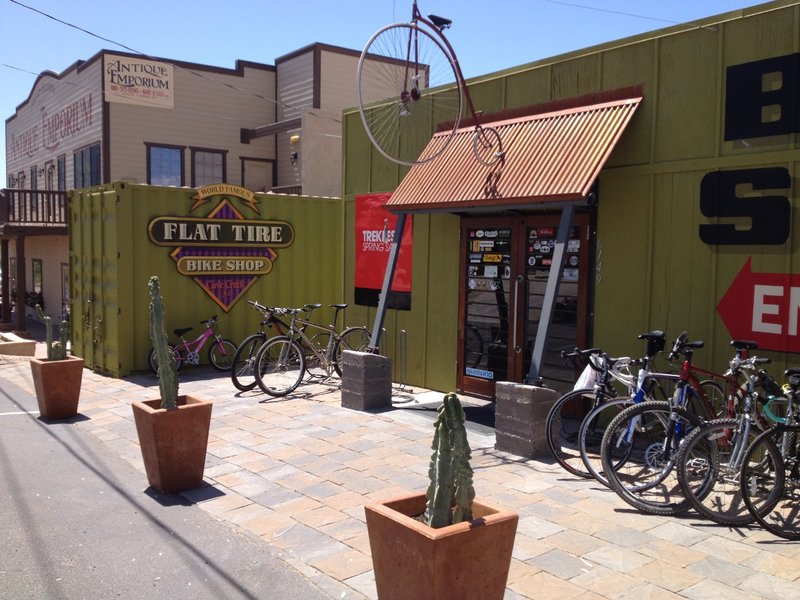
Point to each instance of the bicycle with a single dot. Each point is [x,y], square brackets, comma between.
[770,475]
[243,366]
[649,385]
[640,444]
[415,67]
[220,353]
[710,459]
[281,362]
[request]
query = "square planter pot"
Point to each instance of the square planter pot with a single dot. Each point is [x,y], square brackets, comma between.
[58,386]
[173,442]
[412,561]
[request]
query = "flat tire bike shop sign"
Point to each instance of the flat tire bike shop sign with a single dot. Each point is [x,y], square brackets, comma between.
[225,252]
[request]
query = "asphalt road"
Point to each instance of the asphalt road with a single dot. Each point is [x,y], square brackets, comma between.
[77,521]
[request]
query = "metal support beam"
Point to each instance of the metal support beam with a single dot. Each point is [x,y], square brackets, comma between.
[551,293]
[394,253]
[20,303]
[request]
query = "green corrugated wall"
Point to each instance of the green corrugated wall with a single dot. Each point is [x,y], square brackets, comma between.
[113,258]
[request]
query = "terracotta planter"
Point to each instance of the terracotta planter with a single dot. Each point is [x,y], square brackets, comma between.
[58,386]
[466,561]
[173,442]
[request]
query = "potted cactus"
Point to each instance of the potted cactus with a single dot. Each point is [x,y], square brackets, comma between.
[173,429]
[57,379]
[444,543]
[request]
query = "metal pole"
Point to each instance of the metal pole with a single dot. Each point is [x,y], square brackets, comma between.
[551,293]
[394,253]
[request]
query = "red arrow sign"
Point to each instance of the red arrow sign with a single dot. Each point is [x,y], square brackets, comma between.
[763,307]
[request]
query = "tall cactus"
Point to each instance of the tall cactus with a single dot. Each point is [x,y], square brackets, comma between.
[55,350]
[450,493]
[167,367]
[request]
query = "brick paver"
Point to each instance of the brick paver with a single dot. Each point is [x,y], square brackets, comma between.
[296,472]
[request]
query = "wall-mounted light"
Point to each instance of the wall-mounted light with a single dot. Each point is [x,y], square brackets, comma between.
[12,181]
[293,140]
[40,171]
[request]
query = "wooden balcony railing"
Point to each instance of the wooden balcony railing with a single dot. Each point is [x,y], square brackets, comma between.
[29,210]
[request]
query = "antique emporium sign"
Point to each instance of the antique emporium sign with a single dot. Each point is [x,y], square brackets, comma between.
[225,253]
[137,81]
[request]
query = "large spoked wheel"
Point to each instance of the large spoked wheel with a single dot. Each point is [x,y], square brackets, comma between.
[243,373]
[152,359]
[221,353]
[771,482]
[562,425]
[352,338]
[487,145]
[280,366]
[709,465]
[590,438]
[647,479]
[407,81]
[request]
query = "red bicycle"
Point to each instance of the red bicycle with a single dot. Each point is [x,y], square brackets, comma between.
[220,353]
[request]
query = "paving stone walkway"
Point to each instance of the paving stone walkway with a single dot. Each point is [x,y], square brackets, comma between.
[297,471]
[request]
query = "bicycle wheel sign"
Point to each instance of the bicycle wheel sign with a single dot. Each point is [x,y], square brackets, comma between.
[225,253]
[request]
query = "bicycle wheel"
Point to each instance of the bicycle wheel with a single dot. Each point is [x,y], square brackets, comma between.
[646,479]
[352,338]
[715,396]
[244,359]
[590,437]
[220,354]
[487,145]
[397,72]
[709,464]
[771,483]
[152,360]
[562,425]
[280,366]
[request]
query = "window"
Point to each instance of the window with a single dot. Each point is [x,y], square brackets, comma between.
[21,180]
[34,180]
[208,166]
[164,165]
[61,168]
[49,175]
[87,166]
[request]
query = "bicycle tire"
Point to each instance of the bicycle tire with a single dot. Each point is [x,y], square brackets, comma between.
[220,354]
[152,361]
[772,497]
[280,366]
[244,359]
[398,119]
[487,146]
[352,338]
[562,425]
[590,437]
[715,396]
[647,480]
[708,479]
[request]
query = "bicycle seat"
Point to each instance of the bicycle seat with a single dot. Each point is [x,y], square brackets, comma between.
[440,22]
[310,307]
[744,344]
[338,306]
[182,330]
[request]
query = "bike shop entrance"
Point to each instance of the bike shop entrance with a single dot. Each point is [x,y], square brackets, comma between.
[505,266]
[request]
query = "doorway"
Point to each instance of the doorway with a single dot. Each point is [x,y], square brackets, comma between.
[505,264]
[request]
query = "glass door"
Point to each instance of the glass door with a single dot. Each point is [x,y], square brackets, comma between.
[505,267]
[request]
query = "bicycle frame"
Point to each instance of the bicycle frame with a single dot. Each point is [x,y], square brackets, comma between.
[188,350]
[416,18]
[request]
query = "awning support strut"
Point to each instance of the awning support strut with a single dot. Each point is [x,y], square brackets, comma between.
[394,253]
[550,294]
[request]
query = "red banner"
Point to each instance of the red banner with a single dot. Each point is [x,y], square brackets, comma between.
[375,228]
[763,307]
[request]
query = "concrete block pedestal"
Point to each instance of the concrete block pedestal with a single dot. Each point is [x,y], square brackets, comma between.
[520,415]
[366,381]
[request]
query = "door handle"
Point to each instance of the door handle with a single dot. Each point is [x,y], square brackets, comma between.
[517,283]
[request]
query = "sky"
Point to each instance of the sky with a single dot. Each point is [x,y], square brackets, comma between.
[486,35]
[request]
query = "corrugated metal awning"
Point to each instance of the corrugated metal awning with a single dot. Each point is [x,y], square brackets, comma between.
[549,157]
